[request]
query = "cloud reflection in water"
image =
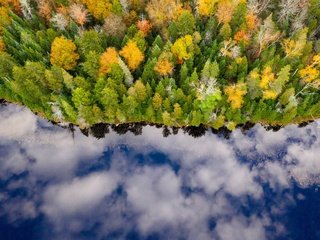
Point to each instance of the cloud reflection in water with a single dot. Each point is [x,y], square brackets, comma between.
[251,186]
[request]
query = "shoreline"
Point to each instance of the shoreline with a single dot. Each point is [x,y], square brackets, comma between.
[99,130]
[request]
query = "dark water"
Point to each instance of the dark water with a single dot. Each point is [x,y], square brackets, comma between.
[60,184]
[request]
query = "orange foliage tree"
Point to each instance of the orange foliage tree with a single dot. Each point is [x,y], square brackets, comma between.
[78,13]
[107,59]
[45,9]
[164,67]
[132,54]
[242,36]
[252,21]
[63,53]
[144,26]
[12,4]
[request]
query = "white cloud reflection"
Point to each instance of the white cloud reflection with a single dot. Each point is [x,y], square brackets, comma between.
[198,192]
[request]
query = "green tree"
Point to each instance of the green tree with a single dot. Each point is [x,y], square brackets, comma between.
[90,41]
[157,101]
[183,25]
[81,97]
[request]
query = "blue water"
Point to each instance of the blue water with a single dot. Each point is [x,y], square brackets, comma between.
[59,184]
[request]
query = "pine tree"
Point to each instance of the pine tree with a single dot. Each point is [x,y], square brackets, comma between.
[69,111]
[157,101]
[177,112]
[91,64]
[81,98]
[138,91]
[196,119]
[90,41]
[183,25]
[166,118]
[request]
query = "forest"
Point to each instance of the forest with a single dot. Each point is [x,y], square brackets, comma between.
[216,63]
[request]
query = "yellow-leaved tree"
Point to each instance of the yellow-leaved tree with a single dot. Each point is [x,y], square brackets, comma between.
[311,73]
[132,54]
[252,21]
[183,48]
[144,26]
[107,59]
[63,53]
[294,47]
[99,9]
[272,86]
[267,78]
[206,7]
[157,101]
[4,17]
[235,94]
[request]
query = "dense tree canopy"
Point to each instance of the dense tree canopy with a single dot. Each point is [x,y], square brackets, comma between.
[219,63]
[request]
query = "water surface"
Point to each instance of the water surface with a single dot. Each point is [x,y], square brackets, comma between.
[60,184]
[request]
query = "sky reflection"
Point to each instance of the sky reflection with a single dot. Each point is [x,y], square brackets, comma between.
[261,185]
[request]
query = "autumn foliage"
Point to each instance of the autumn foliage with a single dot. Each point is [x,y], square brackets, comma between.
[107,59]
[132,54]
[144,26]
[2,45]
[161,12]
[183,48]
[311,73]
[164,67]
[225,11]
[4,17]
[78,13]
[45,9]
[235,95]
[63,53]
[206,7]
[99,9]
